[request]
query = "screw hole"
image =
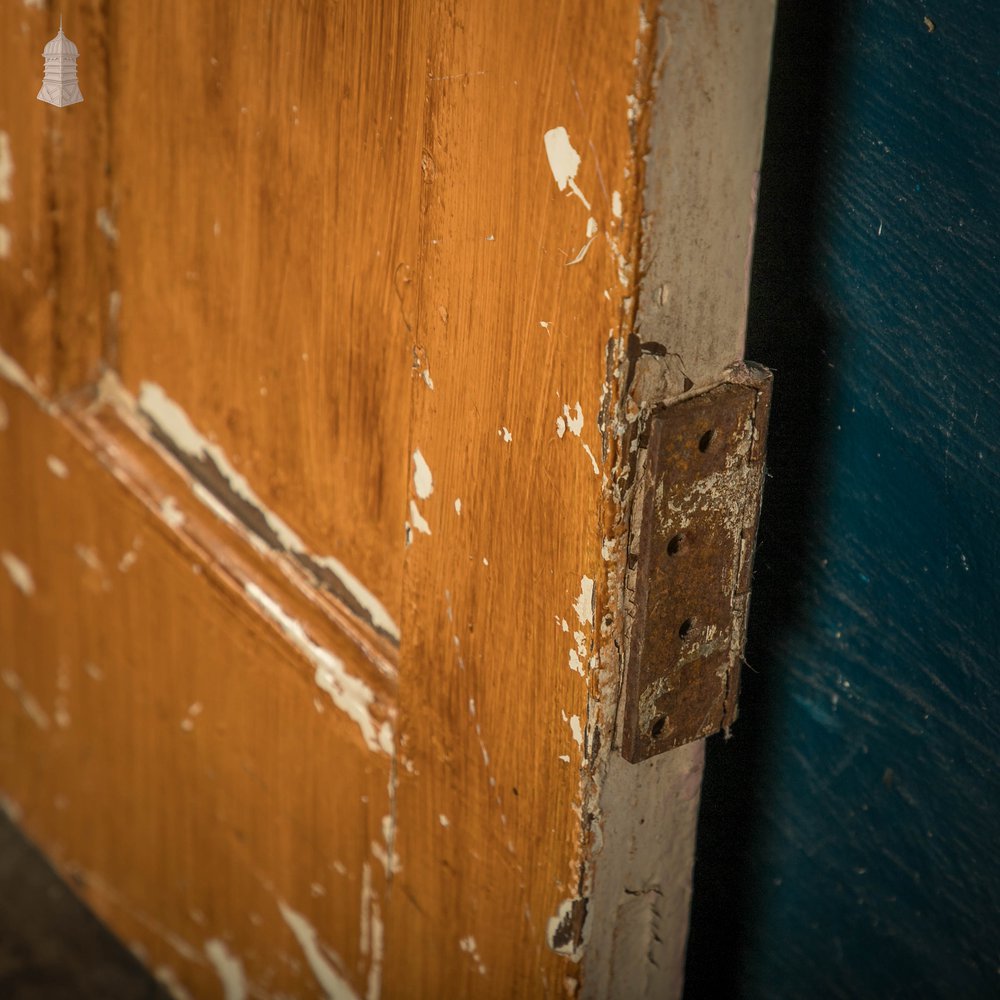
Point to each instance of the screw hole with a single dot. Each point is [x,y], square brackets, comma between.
[674,545]
[706,440]
[685,627]
[657,727]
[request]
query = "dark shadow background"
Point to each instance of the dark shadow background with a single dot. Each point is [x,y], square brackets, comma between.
[848,829]
[788,331]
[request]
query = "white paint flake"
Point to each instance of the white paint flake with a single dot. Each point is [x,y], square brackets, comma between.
[593,461]
[577,729]
[544,325]
[426,376]
[458,506]
[57,467]
[172,514]
[29,703]
[443,820]
[469,946]
[173,422]
[560,426]
[229,969]
[616,204]
[106,224]
[591,228]
[350,694]
[564,161]
[574,423]
[423,481]
[564,757]
[6,168]
[505,434]
[556,924]
[19,573]
[322,960]
[417,520]
[584,604]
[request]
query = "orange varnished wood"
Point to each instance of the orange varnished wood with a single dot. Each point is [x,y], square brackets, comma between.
[166,745]
[330,233]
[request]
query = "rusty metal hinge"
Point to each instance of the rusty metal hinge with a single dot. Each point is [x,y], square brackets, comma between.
[692,546]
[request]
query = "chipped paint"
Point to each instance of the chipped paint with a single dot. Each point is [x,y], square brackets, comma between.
[417,519]
[171,513]
[174,425]
[443,820]
[616,204]
[19,573]
[505,434]
[57,467]
[458,506]
[593,461]
[577,729]
[350,694]
[29,703]
[469,946]
[564,161]
[6,168]
[574,423]
[229,969]
[322,959]
[106,224]
[584,604]
[423,481]
[561,426]
[559,930]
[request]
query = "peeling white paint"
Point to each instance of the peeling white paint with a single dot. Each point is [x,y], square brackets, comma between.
[417,519]
[174,423]
[350,694]
[167,978]
[322,959]
[458,506]
[6,168]
[5,242]
[577,729]
[616,204]
[13,373]
[468,945]
[574,422]
[443,820]
[172,514]
[560,426]
[564,161]
[544,325]
[19,573]
[229,969]
[581,254]
[584,604]
[564,757]
[89,557]
[106,224]
[29,703]
[593,461]
[553,926]
[423,481]
[57,467]
[426,376]
[591,227]
[505,434]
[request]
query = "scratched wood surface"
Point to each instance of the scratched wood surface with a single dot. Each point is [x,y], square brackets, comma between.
[347,291]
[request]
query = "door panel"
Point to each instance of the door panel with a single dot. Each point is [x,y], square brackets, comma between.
[327,564]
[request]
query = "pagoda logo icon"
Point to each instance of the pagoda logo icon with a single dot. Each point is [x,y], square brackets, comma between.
[60,86]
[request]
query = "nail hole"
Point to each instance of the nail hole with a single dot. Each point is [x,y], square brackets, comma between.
[674,545]
[657,727]
[685,627]
[705,440]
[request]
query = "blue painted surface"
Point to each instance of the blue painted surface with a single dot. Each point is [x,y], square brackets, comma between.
[850,835]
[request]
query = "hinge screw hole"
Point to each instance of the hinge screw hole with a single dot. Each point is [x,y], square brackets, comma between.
[674,545]
[705,440]
[657,727]
[686,626]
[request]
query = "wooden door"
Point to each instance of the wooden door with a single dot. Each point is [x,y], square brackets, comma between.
[323,325]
